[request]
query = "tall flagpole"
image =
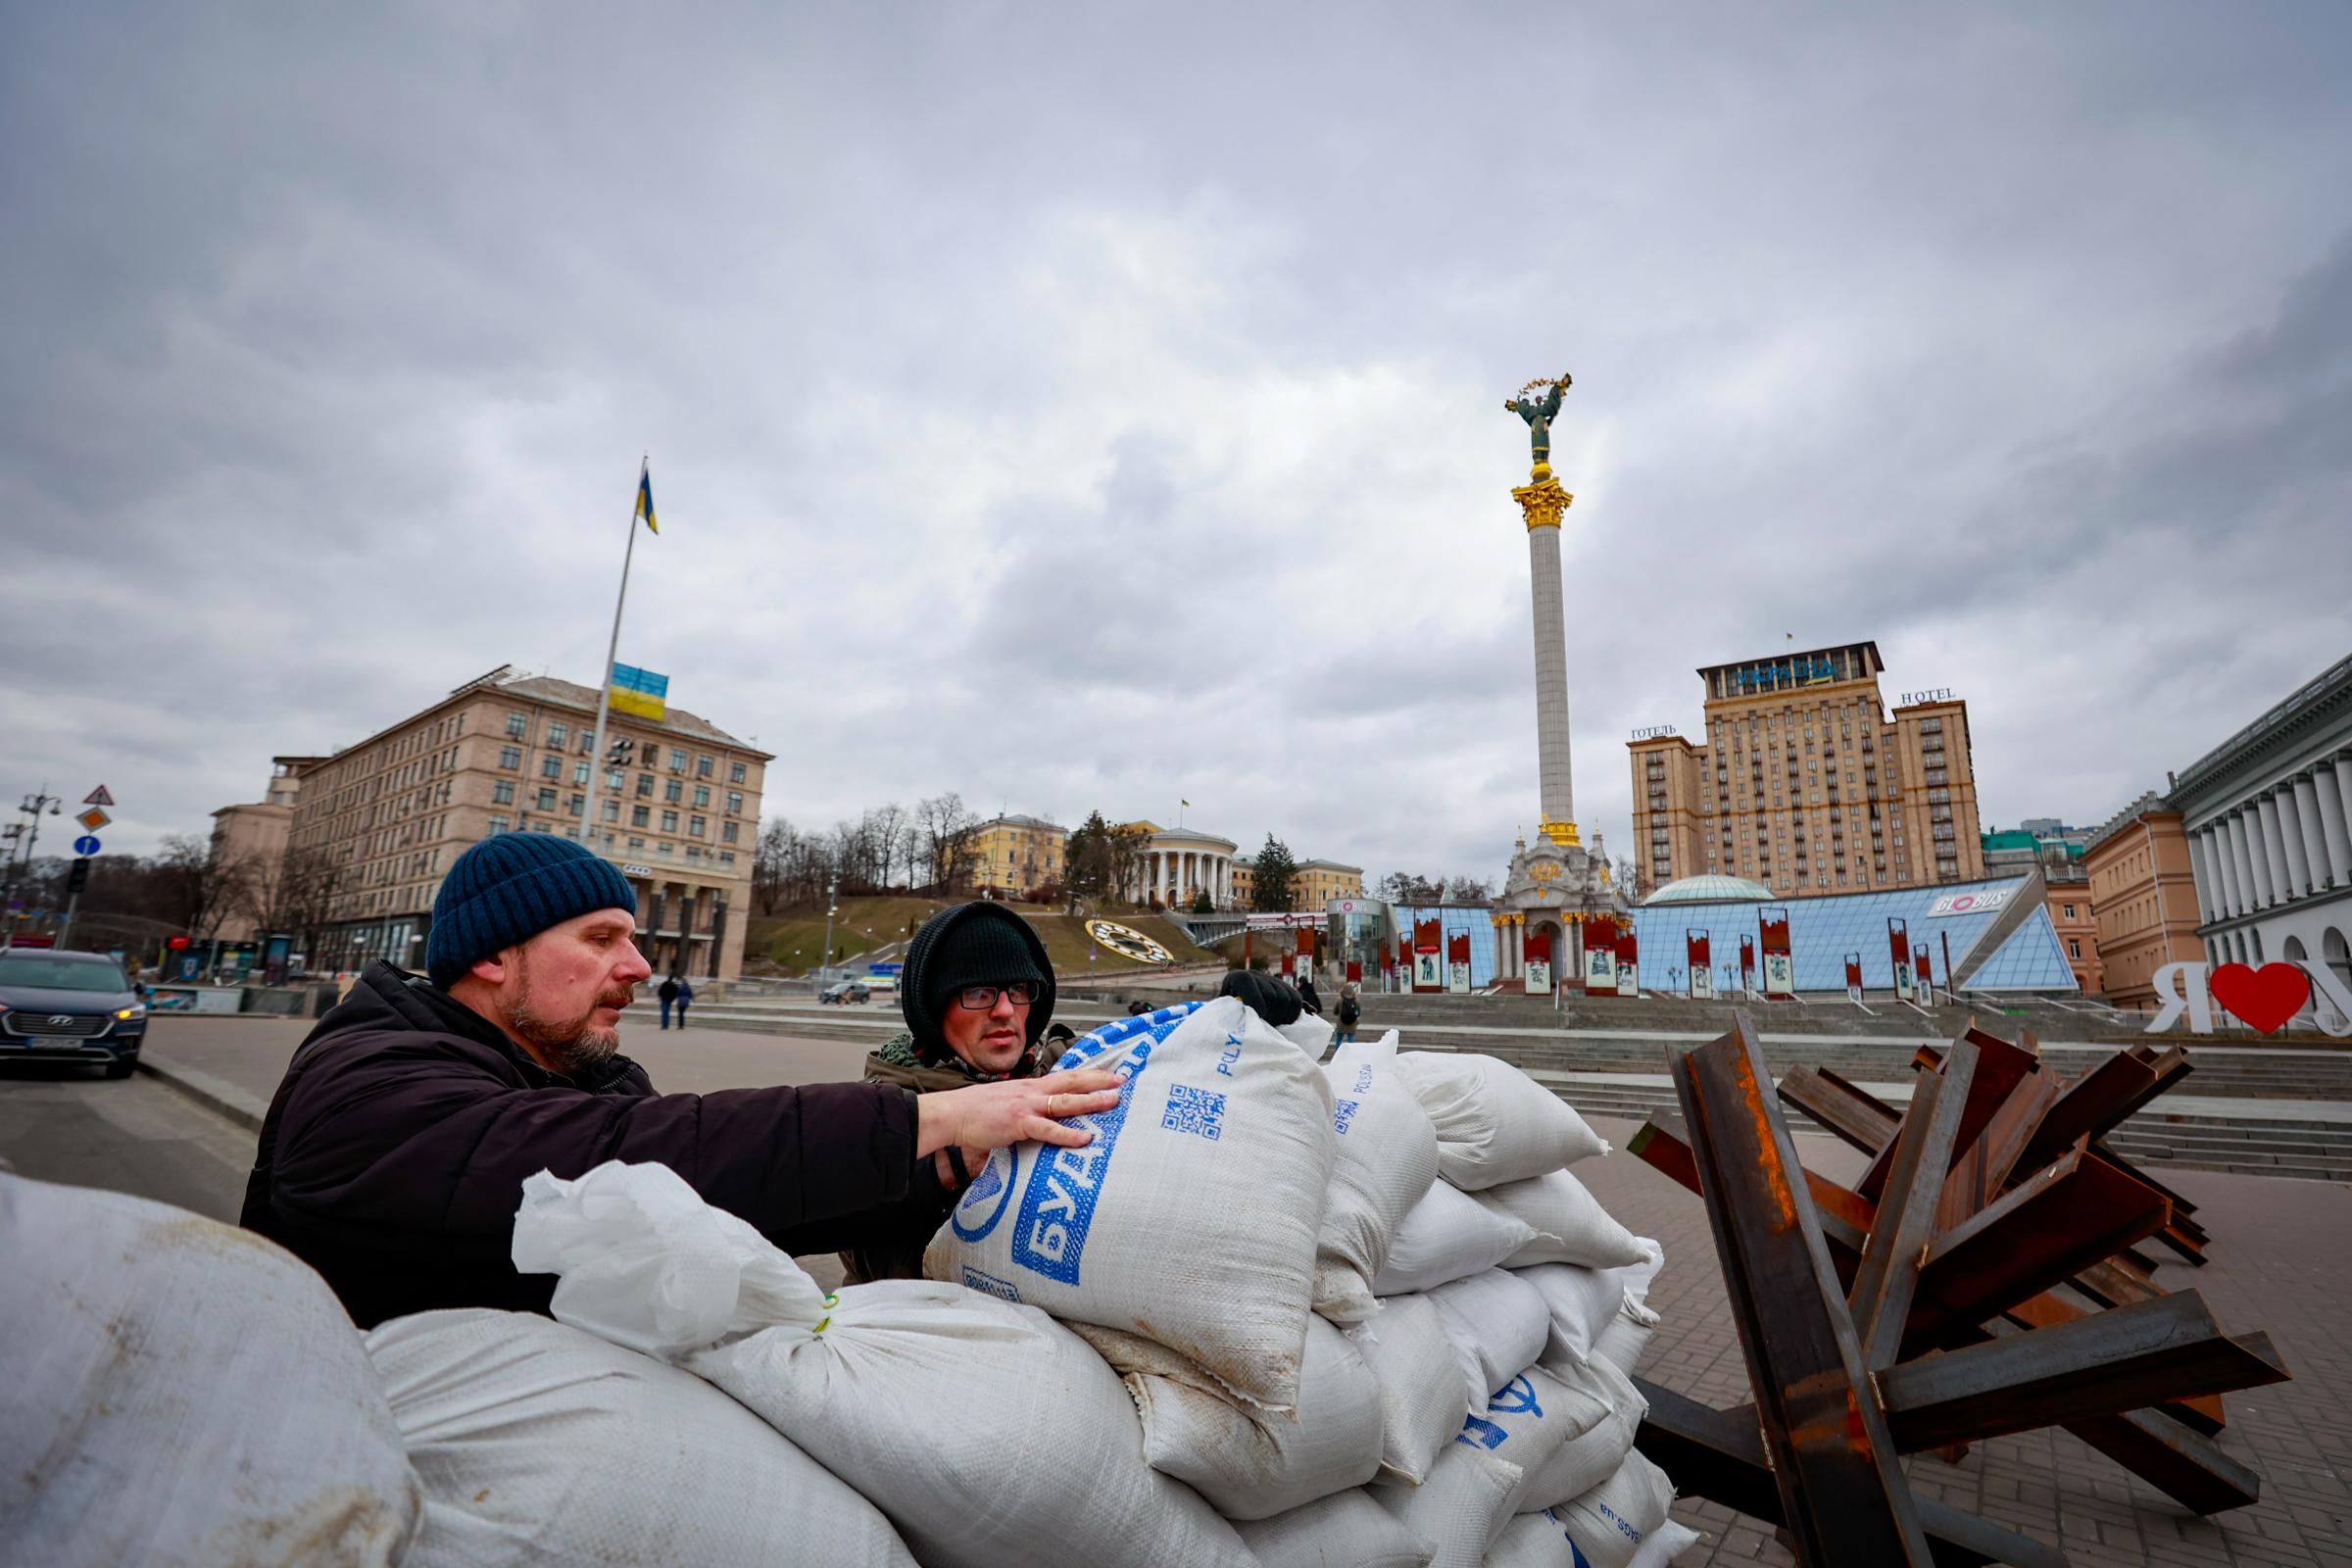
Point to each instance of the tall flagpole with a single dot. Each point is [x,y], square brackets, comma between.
[604,688]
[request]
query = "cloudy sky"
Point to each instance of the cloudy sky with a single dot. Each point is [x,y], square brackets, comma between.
[1099,404]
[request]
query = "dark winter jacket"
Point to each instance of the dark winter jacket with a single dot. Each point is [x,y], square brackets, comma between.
[668,991]
[393,1156]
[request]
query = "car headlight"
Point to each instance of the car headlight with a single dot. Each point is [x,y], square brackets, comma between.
[137,1010]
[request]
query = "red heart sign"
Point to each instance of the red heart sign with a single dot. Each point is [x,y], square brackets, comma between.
[2265,998]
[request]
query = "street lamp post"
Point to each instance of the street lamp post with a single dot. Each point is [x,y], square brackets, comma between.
[824,959]
[32,808]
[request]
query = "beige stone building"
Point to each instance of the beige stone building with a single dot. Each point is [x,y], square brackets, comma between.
[1317,884]
[249,846]
[1012,855]
[2143,894]
[1808,784]
[507,753]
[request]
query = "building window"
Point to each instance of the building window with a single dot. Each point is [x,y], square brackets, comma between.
[611,810]
[645,786]
[666,848]
[501,792]
[727,831]
[641,817]
[669,821]
[734,803]
[736,772]
[2074,947]
[703,767]
[701,795]
[557,734]
[510,757]
[698,827]
[551,768]
[547,799]
[636,843]
[576,804]
[677,760]
[497,824]
[579,772]
[675,791]
[519,724]
[727,856]
[2070,914]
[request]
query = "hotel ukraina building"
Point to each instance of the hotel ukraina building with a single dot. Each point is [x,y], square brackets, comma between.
[1808,784]
[508,753]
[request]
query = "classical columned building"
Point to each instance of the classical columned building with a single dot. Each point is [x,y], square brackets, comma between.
[2269,840]
[1179,864]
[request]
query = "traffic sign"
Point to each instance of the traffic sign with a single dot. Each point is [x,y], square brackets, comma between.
[98,797]
[85,845]
[93,819]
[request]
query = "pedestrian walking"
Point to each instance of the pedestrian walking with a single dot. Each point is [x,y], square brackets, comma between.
[685,998]
[1307,996]
[1351,1012]
[668,993]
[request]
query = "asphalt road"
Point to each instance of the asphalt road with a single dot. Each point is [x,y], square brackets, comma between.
[65,1123]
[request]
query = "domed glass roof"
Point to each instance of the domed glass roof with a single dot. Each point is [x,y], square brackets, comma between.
[1710,888]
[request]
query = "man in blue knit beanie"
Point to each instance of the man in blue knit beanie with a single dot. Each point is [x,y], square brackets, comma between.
[393,1156]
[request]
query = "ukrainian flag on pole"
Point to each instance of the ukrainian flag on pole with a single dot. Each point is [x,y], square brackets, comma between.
[645,498]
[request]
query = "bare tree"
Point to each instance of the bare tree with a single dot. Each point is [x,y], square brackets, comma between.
[1466,889]
[947,830]
[889,825]
[199,885]
[769,859]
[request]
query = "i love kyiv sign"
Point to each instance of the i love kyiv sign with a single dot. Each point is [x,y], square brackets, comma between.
[2263,998]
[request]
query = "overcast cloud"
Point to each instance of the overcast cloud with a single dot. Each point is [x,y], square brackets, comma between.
[1096,406]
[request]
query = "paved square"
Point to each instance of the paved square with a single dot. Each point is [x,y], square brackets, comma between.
[2282,1261]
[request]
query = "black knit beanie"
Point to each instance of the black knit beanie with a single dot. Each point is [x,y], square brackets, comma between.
[971,944]
[1263,994]
[507,889]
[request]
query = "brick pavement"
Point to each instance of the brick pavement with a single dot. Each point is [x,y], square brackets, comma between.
[2282,1261]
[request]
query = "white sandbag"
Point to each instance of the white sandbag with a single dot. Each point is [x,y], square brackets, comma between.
[1458,1509]
[1570,1225]
[1626,1336]
[1495,1123]
[541,1445]
[1310,1034]
[1249,1463]
[1421,1403]
[1386,1162]
[1602,1413]
[1347,1530]
[179,1391]
[1219,1118]
[1608,1524]
[1448,1235]
[1581,1301]
[1541,1541]
[1499,1324]
[982,1429]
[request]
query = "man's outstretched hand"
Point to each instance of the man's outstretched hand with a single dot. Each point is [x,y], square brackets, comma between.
[988,1116]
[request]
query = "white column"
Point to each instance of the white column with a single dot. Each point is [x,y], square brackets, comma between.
[2300,881]
[2209,888]
[2225,869]
[2246,829]
[2338,832]
[2273,850]
[2314,839]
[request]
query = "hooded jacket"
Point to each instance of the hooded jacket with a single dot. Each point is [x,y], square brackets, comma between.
[394,1152]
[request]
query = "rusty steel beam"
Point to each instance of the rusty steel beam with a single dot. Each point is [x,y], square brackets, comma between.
[1843,1496]
[1905,1220]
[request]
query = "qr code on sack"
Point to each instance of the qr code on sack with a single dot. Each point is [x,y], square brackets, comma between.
[1342,1113]
[1193,1110]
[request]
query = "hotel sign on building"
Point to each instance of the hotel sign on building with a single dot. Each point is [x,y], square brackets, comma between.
[1807,783]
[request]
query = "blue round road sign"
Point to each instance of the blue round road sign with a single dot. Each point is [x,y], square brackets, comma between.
[85,845]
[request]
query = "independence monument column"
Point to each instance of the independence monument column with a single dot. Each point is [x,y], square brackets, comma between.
[1542,499]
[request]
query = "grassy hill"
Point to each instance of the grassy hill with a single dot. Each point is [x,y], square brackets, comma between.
[790,939]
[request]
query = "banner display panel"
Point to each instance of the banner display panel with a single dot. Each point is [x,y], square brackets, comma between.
[1600,955]
[1457,963]
[1538,961]
[1629,968]
[1898,944]
[1747,963]
[1702,967]
[1780,968]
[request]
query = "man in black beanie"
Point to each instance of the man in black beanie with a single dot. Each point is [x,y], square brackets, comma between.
[1268,996]
[976,992]
[393,1156]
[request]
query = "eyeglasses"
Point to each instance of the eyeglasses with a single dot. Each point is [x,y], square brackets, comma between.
[980,998]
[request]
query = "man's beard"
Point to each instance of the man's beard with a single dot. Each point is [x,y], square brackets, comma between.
[569,1045]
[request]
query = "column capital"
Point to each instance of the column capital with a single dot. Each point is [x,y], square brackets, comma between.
[1542,501]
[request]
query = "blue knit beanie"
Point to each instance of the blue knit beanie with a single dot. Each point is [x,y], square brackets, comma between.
[507,889]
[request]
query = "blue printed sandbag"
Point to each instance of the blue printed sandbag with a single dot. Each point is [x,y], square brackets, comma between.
[1190,1219]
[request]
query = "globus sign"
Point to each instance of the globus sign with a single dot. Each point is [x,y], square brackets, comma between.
[2263,998]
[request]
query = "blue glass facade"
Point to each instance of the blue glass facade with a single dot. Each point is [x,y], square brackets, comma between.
[1479,922]
[1823,931]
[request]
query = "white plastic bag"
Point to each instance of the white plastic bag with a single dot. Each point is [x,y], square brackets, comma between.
[179,1391]
[1421,1403]
[1624,1338]
[1582,1302]
[1609,1525]
[1498,1325]
[1249,1463]
[1219,1118]
[1570,1225]
[522,1432]
[1347,1530]
[1495,1123]
[1458,1509]
[983,1430]
[1386,1162]
[1310,1034]
[1448,1235]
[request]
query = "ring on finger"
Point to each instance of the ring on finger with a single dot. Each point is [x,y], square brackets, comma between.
[1053,1105]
